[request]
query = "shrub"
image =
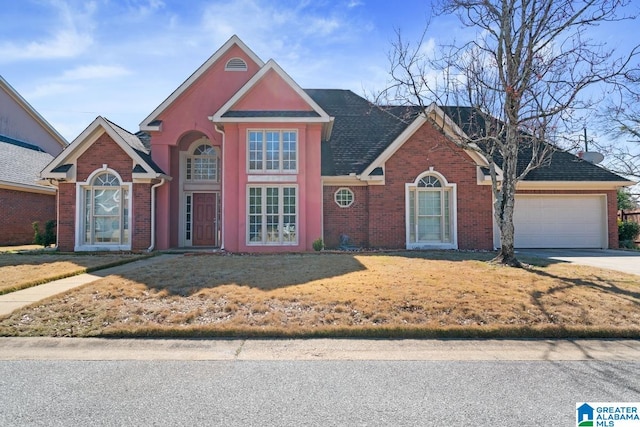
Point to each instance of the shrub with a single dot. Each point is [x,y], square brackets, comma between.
[628,232]
[48,237]
[318,245]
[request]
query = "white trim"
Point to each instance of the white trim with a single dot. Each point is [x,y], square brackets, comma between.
[343,181]
[80,245]
[453,214]
[234,40]
[572,185]
[272,178]
[33,188]
[270,65]
[222,183]
[335,197]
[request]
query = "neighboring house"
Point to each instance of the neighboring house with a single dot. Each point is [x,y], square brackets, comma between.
[244,159]
[27,144]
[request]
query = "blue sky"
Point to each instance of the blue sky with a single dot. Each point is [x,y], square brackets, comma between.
[75,59]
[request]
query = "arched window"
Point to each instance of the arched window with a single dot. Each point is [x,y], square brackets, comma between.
[106,211]
[430,215]
[203,164]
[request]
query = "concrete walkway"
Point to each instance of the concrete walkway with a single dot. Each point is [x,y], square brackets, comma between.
[316,349]
[15,300]
[619,260]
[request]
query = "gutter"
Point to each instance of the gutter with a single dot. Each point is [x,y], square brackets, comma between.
[222,181]
[153,214]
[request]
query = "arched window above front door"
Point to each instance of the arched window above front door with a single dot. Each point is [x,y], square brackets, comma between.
[203,164]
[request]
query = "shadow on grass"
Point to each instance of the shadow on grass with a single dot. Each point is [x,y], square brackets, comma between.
[191,273]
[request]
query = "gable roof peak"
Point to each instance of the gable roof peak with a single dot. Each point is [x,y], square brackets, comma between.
[148,123]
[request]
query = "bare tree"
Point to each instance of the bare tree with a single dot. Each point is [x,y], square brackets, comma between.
[620,121]
[523,76]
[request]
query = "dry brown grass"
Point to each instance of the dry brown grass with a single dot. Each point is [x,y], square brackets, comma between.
[22,270]
[394,294]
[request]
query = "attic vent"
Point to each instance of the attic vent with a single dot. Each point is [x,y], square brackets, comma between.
[236,64]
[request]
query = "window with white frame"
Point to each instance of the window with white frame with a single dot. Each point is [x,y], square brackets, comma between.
[430,218]
[106,211]
[203,164]
[272,150]
[272,215]
[343,197]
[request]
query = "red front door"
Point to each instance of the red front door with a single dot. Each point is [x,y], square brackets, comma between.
[205,215]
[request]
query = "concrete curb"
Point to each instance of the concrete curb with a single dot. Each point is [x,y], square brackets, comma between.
[317,349]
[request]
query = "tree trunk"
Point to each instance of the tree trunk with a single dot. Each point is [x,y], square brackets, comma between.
[505,203]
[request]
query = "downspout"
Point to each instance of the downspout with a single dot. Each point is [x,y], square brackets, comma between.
[153,214]
[221,132]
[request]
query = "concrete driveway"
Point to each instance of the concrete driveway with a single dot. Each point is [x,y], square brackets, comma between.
[625,261]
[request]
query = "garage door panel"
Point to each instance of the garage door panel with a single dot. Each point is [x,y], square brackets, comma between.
[560,222]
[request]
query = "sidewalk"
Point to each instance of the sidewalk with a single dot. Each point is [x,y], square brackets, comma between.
[316,349]
[15,300]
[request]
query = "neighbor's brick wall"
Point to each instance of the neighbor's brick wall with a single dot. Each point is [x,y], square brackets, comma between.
[612,209]
[18,210]
[352,221]
[428,147]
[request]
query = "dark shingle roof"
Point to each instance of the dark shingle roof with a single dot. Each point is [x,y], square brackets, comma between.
[135,142]
[361,131]
[563,166]
[253,114]
[21,162]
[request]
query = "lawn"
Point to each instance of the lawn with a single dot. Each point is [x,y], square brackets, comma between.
[23,270]
[402,294]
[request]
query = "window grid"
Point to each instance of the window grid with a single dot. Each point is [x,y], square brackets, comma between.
[203,164]
[429,212]
[272,215]
[344,197]
[272,151]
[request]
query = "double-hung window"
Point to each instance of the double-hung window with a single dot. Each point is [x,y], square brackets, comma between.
[272,215]
[273,151]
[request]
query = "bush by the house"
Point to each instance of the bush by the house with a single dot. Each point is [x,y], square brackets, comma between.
[628,232]
[46,238]
[318,245]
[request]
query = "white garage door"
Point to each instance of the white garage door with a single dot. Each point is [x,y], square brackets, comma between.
[560,222]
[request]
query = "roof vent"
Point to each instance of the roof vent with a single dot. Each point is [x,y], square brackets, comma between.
[236,64]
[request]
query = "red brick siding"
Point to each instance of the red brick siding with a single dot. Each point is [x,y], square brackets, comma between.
[428,147]
[18,210]
[66,216]
[104,151]
[352,221]
[141,217]
[612,208]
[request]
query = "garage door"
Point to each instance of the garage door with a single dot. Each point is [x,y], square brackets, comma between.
[560,222]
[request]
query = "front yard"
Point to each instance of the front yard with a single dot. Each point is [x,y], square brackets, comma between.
[401,294]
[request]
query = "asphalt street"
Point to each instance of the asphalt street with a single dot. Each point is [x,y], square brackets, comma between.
[308,393]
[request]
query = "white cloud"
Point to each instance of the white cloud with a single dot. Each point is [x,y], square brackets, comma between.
[69,39]
[90,72]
